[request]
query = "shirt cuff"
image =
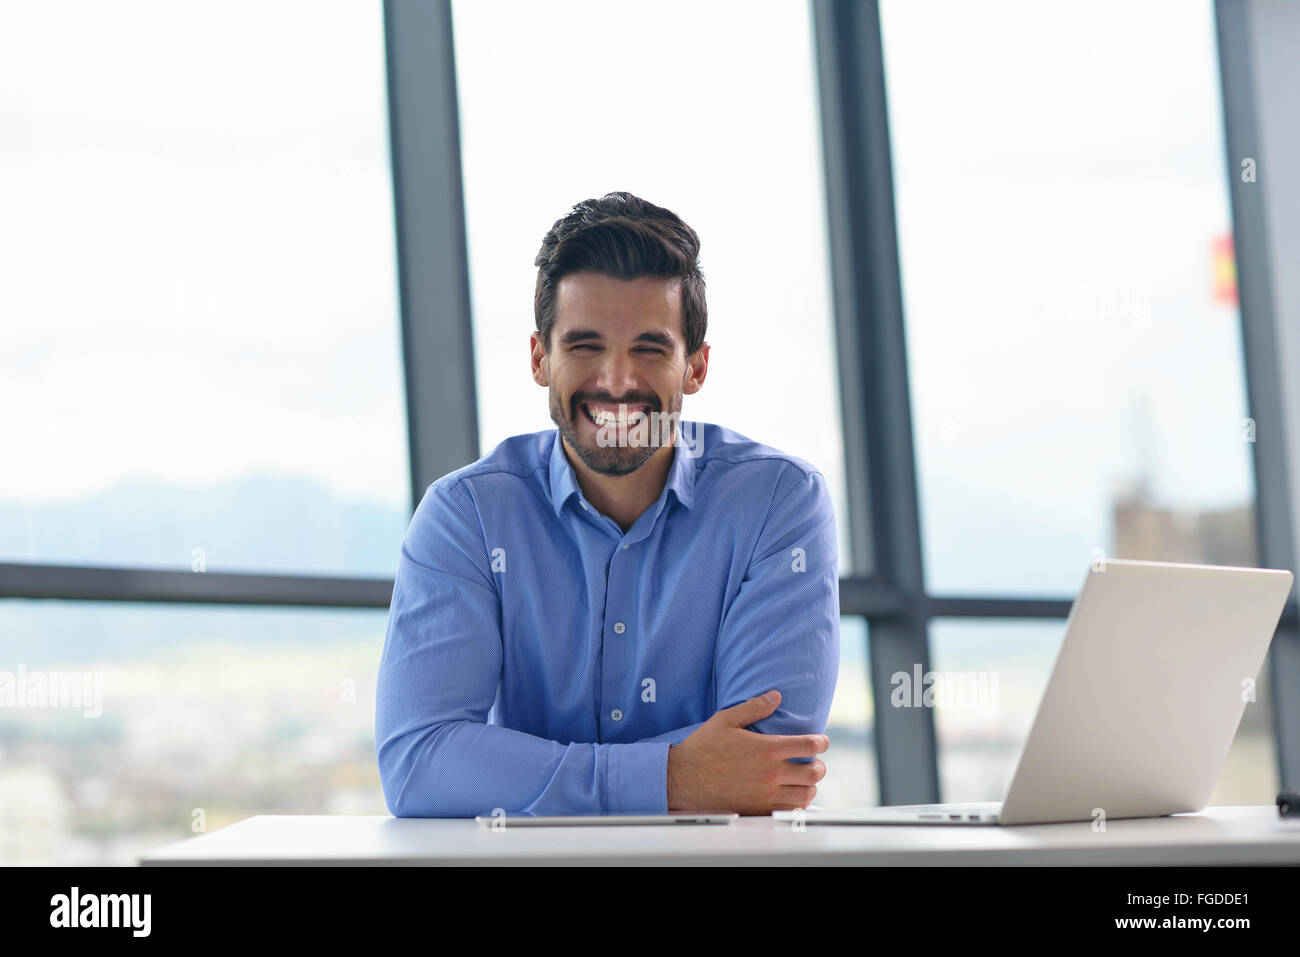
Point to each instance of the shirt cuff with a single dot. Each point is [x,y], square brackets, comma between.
[636,778]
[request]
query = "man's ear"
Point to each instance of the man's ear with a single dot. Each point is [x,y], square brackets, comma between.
[697,367]
[540,361]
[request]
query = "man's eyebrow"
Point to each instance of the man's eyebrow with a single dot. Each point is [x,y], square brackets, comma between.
[581,335]
[660,338]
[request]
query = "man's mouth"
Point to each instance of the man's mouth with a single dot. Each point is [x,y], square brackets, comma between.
[603,414]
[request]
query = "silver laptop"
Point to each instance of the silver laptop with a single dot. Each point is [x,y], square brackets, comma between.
[1149,686]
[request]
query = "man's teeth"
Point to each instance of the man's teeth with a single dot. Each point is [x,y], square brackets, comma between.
[604,417]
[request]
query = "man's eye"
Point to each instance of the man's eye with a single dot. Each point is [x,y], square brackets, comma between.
[650,350]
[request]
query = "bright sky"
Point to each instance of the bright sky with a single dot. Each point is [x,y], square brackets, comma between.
[198,248]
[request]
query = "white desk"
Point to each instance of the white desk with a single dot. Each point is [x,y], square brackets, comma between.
[1219,836]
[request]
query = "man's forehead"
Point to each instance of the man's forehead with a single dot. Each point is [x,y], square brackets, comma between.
[594,302]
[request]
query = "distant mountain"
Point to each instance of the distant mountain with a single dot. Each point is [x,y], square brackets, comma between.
[261,523]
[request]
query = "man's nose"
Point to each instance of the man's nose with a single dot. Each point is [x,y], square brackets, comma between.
[616,376]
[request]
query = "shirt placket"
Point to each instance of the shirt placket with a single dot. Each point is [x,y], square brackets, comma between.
[619,634]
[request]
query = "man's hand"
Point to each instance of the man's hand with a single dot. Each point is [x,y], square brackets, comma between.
[723,767]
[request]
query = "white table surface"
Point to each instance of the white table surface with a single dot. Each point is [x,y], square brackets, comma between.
[1217,836]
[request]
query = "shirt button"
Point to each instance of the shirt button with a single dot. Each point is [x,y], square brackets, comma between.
[584,505]
[619,628]
[625,548]
[616,715]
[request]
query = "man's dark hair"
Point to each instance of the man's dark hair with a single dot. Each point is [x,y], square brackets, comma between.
[622,236]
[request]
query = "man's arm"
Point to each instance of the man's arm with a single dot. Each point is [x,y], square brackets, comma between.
[780,632]
[675,735]
[438,678]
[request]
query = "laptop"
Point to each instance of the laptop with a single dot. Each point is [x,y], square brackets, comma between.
[1150,683]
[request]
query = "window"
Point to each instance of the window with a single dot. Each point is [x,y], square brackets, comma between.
[732,145]
[981,722]
[225,711]
[851,759]
[202,349]
[200,295]
[1073,333]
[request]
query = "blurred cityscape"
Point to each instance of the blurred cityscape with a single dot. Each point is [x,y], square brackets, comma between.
[194,739]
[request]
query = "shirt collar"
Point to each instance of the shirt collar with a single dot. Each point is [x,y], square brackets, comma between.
[681,474]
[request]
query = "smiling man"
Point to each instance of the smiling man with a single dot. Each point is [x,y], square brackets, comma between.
[590,619]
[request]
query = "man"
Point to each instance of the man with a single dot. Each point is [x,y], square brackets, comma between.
[586,620]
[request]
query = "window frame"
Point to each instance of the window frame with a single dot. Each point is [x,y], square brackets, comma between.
[438,362]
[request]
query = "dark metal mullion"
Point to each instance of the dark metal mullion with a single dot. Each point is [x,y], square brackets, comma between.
[995,607]
[867,597]
[433,262]
[858,596]
[93,583]
[873,375]
[1276,539]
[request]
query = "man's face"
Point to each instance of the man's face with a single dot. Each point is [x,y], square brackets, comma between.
[616,342]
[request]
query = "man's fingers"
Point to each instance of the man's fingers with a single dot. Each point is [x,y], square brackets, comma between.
[793,796]
[804,774]
[747,712]
[799,745]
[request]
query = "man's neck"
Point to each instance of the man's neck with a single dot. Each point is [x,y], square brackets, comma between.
[623,497]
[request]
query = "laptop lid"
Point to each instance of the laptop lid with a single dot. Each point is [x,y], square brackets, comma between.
[1149,686]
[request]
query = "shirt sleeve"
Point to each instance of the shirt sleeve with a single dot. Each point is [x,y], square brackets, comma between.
[782,630]
[438,679]
[675,736]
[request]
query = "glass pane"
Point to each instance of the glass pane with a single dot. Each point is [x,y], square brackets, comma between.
[851,779]
[232,712]
[980,736]
[200,311]
[980,739]
[732,145]
[1073,331]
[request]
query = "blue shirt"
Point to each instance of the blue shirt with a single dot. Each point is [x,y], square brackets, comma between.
[540,660]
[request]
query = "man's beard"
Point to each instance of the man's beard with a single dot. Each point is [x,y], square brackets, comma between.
[614,459]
